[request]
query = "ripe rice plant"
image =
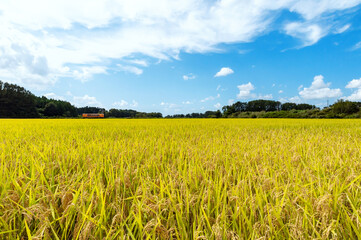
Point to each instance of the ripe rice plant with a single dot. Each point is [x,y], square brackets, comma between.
[180,179]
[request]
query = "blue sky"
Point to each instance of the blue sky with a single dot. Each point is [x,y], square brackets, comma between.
[182,56]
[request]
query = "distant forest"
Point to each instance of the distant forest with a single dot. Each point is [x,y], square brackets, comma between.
[17,102]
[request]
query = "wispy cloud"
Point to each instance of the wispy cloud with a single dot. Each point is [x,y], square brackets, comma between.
[342,29]
[217,105]
[123,104]
[189,76]
[308,33]
[86,73]
[168,105]
[130,69]
[356,46]
[210,98]
[186,102]
[140,62]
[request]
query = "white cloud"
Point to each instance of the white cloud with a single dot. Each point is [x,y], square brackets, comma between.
[168,105]
[86,73]
[311,9]
[140,62]
[245,91]
[218,87]
[319,90]
[134,104]
[207,99]
[186,102]
[355,83]
[280,91]
[42,40]
[224,72]
[86,100]
[189,76]
[343,29]
[230,101]
[356,95]
[314,26]
[217,105]
[122,104]
[53,96]
[308,33]
[210,98]
[295,99]
[244,51]
[357,46]
[267,96]
[131,69]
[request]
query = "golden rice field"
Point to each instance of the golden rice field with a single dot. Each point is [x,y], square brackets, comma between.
[180,179]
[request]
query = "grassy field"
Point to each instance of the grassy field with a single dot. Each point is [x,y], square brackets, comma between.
[180,179]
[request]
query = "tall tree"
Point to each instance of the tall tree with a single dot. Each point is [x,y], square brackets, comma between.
[16,102]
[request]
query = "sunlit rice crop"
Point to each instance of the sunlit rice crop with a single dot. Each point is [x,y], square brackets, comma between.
[180,179]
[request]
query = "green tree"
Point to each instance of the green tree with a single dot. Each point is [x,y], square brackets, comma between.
[51,110]
[346,107]
[288,106]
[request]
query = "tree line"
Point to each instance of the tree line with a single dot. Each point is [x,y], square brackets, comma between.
[275,109]
[207,114]
[17,102]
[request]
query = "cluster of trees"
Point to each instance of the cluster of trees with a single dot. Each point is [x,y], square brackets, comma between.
[275,109]
[263,105]
[346,107]
[128,113]
[17,102]
[207,114]
[55,108]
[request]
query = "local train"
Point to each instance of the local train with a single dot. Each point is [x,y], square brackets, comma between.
[93,115]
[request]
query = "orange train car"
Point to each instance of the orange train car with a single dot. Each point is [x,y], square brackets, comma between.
[93,115]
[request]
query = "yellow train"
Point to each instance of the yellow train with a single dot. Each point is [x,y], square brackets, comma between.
[93,115]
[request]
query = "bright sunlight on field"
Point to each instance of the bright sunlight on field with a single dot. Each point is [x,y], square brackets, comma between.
[180,179]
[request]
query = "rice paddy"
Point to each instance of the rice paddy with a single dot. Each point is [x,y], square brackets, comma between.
[180,179]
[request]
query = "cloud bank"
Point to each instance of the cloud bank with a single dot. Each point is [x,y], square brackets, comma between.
[42,40]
